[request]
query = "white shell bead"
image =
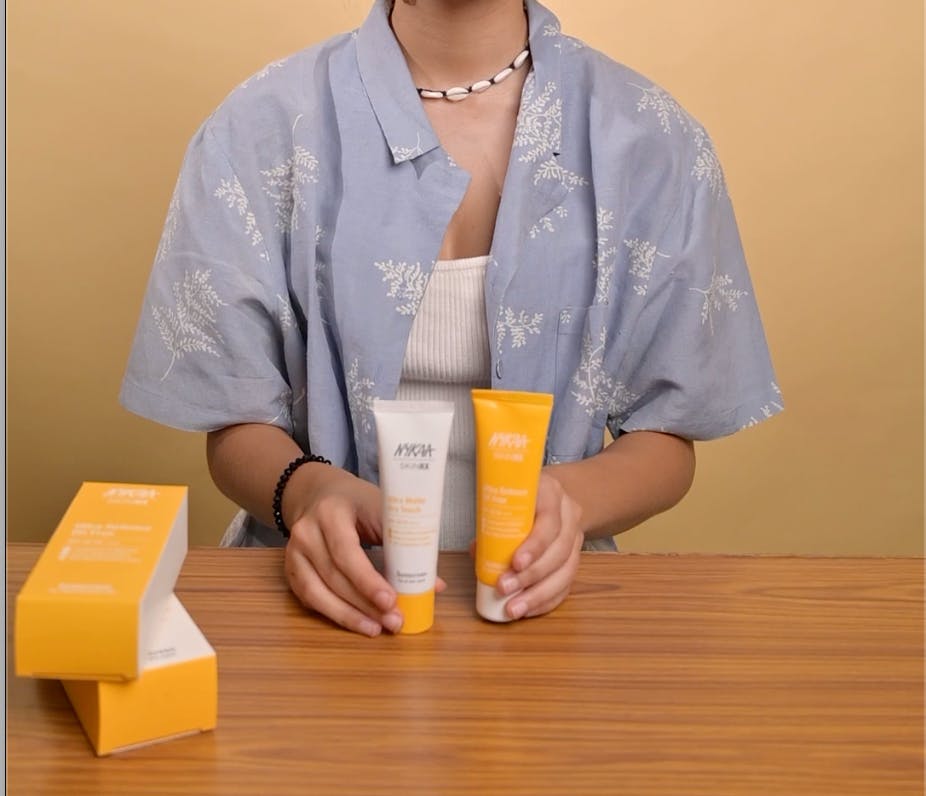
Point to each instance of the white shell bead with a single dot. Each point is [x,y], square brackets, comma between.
[502,75]
[458,93]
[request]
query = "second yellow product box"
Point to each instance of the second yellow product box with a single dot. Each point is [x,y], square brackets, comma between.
[176,693]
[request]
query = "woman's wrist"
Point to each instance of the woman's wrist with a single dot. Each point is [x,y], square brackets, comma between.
[283,481]
[303,488]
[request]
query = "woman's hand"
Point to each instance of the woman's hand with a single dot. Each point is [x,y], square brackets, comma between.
[638,475]
[326,566]
[545,564]
[329,512]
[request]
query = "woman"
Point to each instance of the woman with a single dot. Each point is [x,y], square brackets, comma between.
[455,195]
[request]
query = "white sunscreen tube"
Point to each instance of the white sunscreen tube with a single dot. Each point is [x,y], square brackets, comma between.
[413,438]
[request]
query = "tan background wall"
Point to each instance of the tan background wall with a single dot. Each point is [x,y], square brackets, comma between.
[816,108]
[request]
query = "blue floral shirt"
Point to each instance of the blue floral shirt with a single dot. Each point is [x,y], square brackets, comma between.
[310,210]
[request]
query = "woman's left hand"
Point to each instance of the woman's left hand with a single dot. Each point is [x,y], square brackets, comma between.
[545,564]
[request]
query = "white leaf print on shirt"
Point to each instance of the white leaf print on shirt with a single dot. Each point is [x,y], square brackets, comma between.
[604,222]
[406,284]
[360,396]
[283,184]
[401,153]
[577,44]
[605,257]
[286,408]
[766,410]
[232,193]
[263,72]
[604,263]
[551,170]
[517,326]
[190,325]
[719,295]
[554,30]
[540,122]
[643,254]
[707,167]
[667,110]
[595,389]
[285,313]
[545,224]
[671,114]
[170,228]
[539,130]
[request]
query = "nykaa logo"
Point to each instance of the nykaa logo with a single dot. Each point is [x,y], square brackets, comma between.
[413,450]
[506,440]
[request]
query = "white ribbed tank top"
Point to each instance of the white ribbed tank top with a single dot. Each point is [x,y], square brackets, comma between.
[448,355]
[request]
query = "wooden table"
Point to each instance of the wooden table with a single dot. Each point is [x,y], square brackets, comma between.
[661,675]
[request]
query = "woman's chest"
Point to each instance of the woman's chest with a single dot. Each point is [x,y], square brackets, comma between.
[477,135]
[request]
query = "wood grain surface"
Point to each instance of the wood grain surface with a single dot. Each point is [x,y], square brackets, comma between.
[660,675]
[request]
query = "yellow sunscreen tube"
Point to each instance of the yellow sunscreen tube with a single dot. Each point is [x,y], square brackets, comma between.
[511,433]
[413,438]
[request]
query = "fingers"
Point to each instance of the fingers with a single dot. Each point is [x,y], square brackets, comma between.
[330,573]
[315,595]
[548,592]
[548,524]
[544,566]
[338,557]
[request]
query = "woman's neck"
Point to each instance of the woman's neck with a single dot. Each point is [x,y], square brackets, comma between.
[457,42]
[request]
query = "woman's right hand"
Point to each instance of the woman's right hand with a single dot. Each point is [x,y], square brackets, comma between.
[330,513]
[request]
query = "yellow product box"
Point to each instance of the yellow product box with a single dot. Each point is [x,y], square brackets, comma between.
[176,693]
[88,607]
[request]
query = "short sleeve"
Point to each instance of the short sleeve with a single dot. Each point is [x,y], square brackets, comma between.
[697,363]
[208,349]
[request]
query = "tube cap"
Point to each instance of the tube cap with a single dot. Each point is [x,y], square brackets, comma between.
[417,611]
[490,604]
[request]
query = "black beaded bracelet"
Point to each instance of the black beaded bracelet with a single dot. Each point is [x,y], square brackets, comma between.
[294,465]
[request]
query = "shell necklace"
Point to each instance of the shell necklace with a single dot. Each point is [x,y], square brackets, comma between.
[457,93]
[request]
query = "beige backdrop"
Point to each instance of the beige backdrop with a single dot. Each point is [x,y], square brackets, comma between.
[816,108]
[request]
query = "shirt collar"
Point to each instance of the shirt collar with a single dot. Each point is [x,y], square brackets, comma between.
[389,85]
